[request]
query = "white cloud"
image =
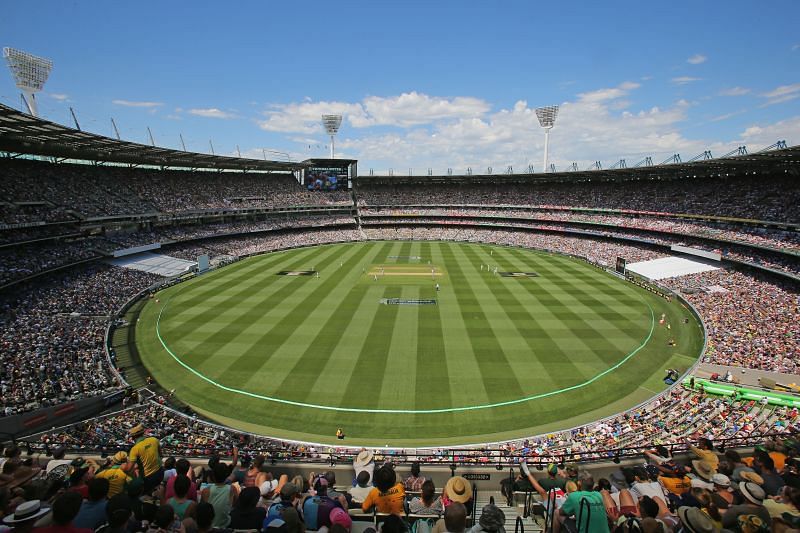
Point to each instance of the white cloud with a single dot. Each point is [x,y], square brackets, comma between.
[757,136]
[796,47]
[683,80]
[601,95]
[58,96]
[130,103]
[404,111]
[211,112]
[784,93]
[697,59]
[726,116]
[735,91]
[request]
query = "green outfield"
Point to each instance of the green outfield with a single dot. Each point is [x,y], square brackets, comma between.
[370,345]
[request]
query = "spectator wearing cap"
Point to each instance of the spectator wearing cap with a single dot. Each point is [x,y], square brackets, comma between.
[553,480]
[545,495]
[413,483]
[492,520]
[339,517]
[146,452]
[722,494]
[388,495]
[428,503]
[25,516]
[753,504]
[65,508]
[458,490]
[79,478]
[93,510]
[220,495]
[362,489]
[246,514]
[116,474]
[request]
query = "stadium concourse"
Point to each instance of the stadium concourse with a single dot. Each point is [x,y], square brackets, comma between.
[62,224]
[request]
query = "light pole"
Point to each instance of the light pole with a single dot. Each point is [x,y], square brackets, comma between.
[332,123]
[547,119]
[30,72]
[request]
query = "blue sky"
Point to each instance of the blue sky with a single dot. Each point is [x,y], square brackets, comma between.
[421,84]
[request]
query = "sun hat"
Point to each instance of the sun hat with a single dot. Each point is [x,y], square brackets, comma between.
[120,457]
[340,516]
[752,476]
[136,430]
[363,458]
[695,520]
[492,519]
[722,480]
[25,511]
[752,492]
[458,489]
[703,469]
[21,475]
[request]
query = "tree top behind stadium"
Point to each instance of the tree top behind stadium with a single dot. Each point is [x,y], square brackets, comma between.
[21,133]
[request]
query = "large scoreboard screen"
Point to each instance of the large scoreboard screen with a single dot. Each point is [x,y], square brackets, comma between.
[326,178]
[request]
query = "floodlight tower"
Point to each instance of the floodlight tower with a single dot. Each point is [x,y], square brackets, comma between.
[332,123]
[547,119]
[30,72]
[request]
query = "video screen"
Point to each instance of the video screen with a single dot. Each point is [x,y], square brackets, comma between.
[326,179]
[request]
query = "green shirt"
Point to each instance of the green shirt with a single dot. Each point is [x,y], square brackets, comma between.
[598,521]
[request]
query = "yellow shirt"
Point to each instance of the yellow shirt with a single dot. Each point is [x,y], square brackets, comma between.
[390,501]
[117,478]
[707,456]
[148,450]
[676,485]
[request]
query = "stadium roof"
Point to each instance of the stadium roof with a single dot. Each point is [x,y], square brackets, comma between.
[766,161]
[25,134]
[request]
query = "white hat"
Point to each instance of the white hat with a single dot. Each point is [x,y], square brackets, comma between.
[363,458]
[26,511]
[268,487]
[752,492]
[721,479]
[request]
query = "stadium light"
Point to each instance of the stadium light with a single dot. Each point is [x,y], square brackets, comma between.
[332,123]
[547,119]
[30,72]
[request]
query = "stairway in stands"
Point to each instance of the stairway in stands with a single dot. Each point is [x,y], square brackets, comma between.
[511,513]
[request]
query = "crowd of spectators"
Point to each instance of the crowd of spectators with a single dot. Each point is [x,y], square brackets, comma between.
[751,321]
[182,233]
[767,197]
[142,480]
[51,336]
[20,262]
[63,191]
[758,236]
